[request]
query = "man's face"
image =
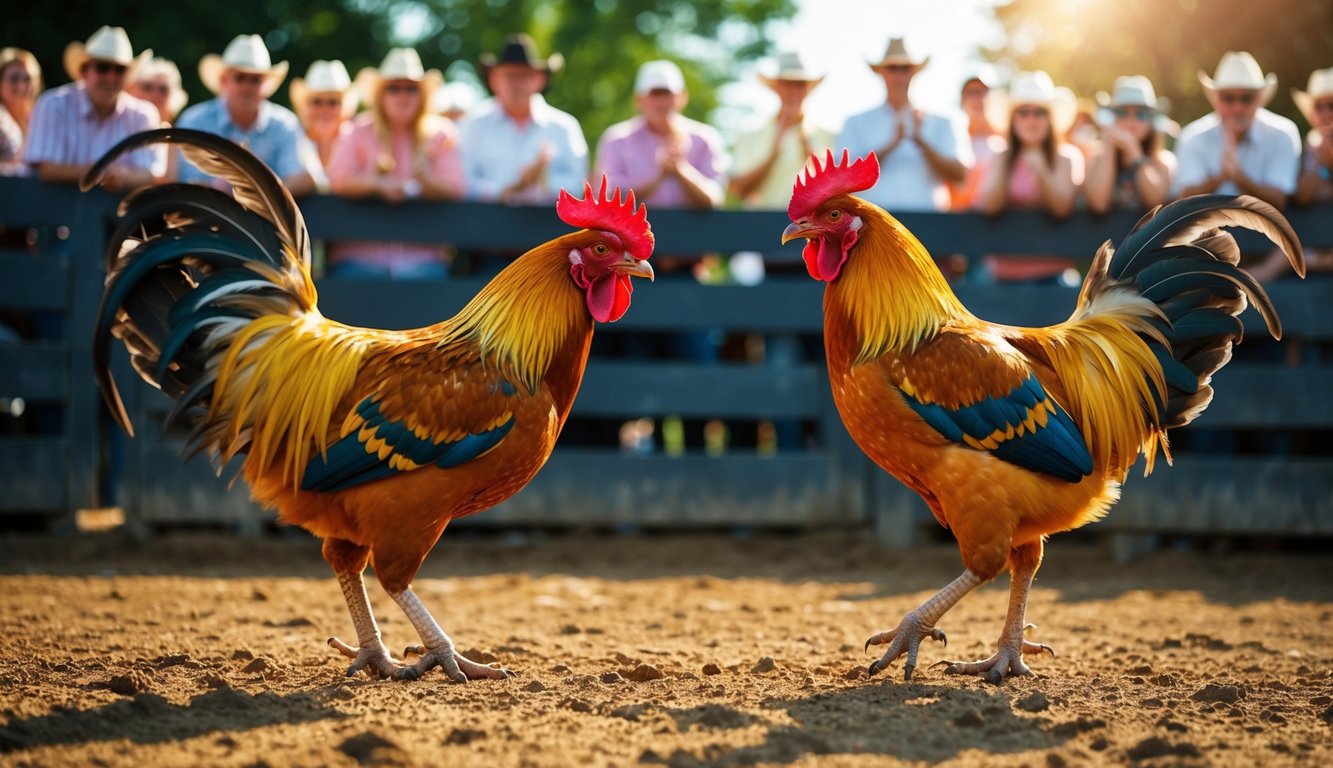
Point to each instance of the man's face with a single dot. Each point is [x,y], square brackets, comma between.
[1236,108]
[793,92]
[104,81]
[514,85]
[897,77]
[1323,113]
[242,90]
[659,104]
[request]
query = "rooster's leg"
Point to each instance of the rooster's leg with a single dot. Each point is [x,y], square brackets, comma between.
[920,624]
[438,650]
[1008,658]
[371,655]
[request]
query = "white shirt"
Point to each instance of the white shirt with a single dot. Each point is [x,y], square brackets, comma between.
[906,181]
[1270,153]
[496,149]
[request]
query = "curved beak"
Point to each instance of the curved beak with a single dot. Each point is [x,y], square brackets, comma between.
[796,229]
[637,268]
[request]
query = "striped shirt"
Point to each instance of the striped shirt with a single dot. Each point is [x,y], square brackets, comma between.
[276,137]
[65,129]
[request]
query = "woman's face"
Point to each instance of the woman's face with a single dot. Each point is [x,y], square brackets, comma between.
[401,100]
[324,110]
[154,89]
[15,83]
[1136,121]
[1032,124]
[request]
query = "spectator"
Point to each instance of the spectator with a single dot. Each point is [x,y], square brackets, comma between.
[455,100]
[985,139]
[1240,147]
[667,158]
[325,102]
[920,152]
[396,151]
[1132,170]
[158,82]
[517,148]
[20,83]
[244,78]
[1037,172]
[74,125]
[768,158]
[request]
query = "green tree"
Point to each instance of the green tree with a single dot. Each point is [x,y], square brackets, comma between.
[603,41]
[1086,45]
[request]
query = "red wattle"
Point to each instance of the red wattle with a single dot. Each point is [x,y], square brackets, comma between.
[608,297]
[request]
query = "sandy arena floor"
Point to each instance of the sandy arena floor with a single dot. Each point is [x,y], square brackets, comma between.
[656,650]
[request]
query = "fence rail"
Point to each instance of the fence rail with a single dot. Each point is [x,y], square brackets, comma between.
[51,472]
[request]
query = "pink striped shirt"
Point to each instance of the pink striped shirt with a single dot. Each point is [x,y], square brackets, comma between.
[65,129]
[358,152]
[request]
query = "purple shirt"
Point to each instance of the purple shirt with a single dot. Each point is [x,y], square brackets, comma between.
[65,129]
[628,154]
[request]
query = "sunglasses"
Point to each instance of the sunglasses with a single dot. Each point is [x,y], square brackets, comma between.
[107,67]
[1323,106]
[1026,112]
[899,68]
[153,87]
[326,102]
[246,78]
[402,88]
[18,77]
[1237,98]
[1138,114]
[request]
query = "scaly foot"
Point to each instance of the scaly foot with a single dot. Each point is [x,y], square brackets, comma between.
[457,666]
[373,658]
[1007,662]
[906,638]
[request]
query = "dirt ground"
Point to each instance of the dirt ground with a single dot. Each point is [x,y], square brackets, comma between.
[678,650]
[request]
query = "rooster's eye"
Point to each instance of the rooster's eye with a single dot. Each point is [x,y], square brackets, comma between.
[834,215]
[600,249]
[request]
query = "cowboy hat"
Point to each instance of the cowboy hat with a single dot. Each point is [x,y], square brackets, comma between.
[790,67]
[659,75]
[520,49]
[1321,84]
[323,77]
[1239,71]
[245,53]
[398,64]
[1033,89]
[1137,91]
[106,44]
[177,98]
[897,53]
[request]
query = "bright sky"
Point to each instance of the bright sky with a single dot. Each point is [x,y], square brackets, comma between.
[838,37]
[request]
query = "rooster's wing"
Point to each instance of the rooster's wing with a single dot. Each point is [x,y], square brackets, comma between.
[976,390]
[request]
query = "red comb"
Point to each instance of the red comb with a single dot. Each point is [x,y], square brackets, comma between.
[815,186]
[603,211]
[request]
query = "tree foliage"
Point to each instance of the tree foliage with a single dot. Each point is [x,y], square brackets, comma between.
[603,41]
[1086,45]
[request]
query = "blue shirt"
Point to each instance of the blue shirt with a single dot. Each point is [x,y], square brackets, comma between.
[496,149]
[906,180]
[1270,153]
[275,138]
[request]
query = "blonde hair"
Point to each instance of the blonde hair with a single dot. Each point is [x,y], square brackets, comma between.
[11,55]
[424,125]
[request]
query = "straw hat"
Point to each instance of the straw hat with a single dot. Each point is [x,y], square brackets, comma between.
[1321,84]
[165,68]
[1029,89]
[246,53]
[323,77]
[897,53]
[106,44]
[398,64]
[1239,71]
[790,67]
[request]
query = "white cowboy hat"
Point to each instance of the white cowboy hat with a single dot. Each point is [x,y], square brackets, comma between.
[659,75]
[790,67]
[1239,71]
[398,64]
[323,77]
[245,53]
[106,44]
[1032,89]
[1130,91]
[896,53]
[1321,84]
[157,66]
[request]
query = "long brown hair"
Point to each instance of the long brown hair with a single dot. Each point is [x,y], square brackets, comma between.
[1048,144]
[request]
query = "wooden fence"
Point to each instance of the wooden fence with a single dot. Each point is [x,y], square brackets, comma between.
[51,471]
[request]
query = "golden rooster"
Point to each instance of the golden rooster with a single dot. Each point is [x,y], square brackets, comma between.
[372,440]
[1011,434]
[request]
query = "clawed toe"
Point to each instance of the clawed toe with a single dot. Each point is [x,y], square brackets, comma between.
[905,639]
[372,658]
[455,666]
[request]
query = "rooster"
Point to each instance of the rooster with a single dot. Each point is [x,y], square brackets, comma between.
[1011,434]
[372,440]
